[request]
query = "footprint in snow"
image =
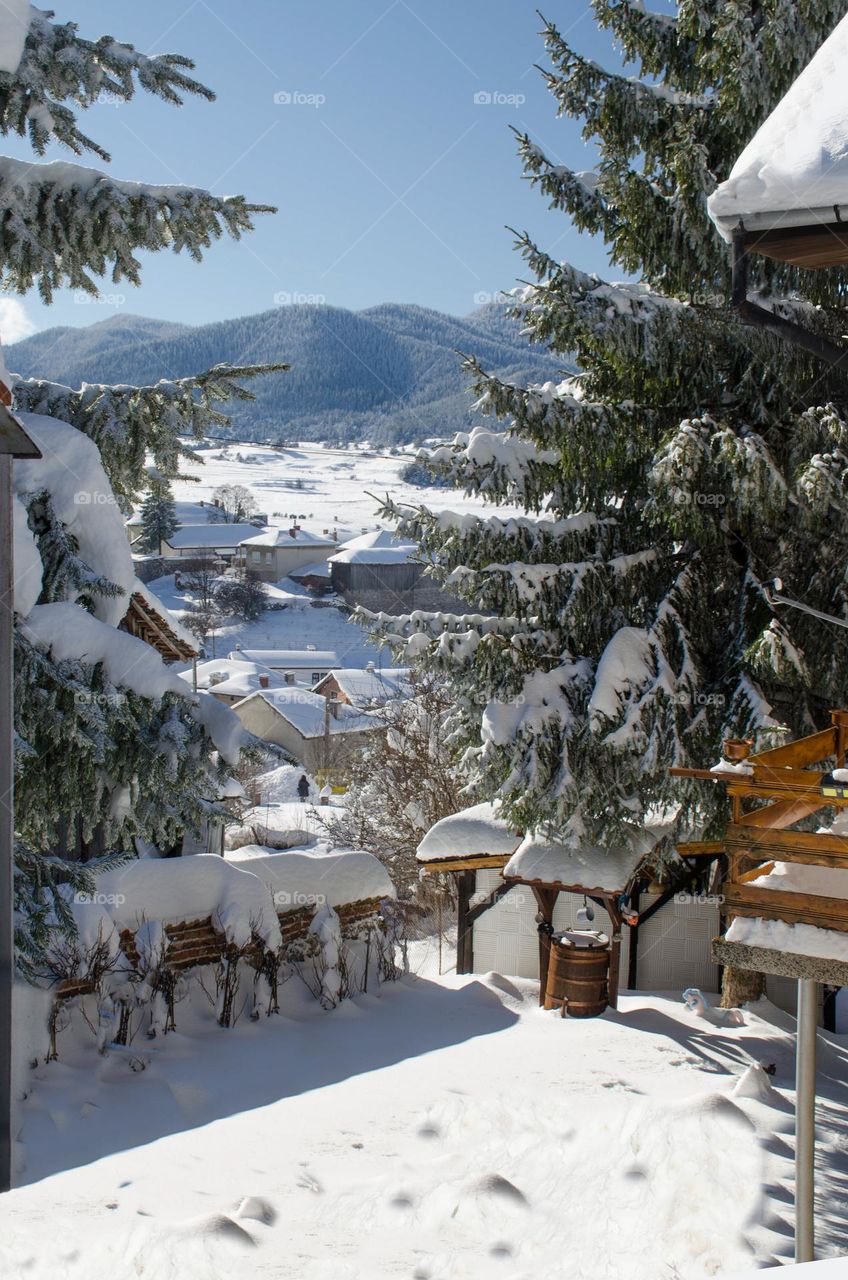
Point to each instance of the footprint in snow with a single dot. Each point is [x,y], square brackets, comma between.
[217,1226]
[429,1130]
[258,1209]
[494,1184]
[402,1201]
[308,1182]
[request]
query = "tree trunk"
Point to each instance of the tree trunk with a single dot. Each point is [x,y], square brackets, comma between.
[740,986]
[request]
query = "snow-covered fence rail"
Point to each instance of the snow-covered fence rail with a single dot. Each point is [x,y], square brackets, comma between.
[253,922]
[194,943]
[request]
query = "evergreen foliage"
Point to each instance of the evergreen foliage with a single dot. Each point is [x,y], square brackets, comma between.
[107,759]
[622,624]
[158,516]
[128,422]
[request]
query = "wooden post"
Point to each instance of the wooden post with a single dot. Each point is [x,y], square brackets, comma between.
[615,952]
[633,945]
[546,900]
[466,883]
[7,843]
[840,720]
[805,1119]
[14,443]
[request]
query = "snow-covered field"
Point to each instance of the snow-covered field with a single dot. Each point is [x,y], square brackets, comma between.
[445,1128]
[324,488]
[340,490]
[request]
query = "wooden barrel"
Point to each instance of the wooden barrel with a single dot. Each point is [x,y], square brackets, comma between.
[578,979]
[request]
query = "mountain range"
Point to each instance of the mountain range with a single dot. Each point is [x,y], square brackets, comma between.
[389,374]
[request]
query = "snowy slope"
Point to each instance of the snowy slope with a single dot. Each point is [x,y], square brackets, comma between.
[441,1130]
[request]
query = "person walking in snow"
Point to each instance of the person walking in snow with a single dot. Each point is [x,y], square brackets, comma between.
[303,788]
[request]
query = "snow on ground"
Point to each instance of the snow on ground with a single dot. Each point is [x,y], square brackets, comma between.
[436,1130]
[300,624]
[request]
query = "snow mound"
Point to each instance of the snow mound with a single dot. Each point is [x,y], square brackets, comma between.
[478,830]
[70,470]
[307,877]
[71,633]
[754,1083]
[173,890]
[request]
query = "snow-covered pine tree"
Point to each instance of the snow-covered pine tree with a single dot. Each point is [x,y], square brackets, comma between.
[107,736]
[66,224]
[127,423]
[158,515]
[621,624]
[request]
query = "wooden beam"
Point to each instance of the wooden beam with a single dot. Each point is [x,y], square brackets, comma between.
[480,908]
[805,847]
[700,848]
[803,751]
[793,908]
[812,247]
[466,883]
[781,814]
[480,862]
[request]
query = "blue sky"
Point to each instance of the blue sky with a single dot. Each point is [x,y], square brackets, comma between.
[394,180]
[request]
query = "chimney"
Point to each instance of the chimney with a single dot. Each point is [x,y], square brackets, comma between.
[289,677]
[263,682]
[293,531]
[369,666]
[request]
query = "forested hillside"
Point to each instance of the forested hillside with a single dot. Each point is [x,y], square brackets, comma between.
[391,373]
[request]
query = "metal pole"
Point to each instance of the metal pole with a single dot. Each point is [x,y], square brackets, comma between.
[805,1119]
[6,818]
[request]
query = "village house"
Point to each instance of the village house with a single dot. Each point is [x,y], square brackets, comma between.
[319,733]
[274,554]
[295,666]
[229,681]
[199,541]
[364,687]
[375,563]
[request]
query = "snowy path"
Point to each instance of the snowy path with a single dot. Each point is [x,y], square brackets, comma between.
[447,1129]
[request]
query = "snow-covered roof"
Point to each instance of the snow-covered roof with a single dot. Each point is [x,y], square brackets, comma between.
[152,601]
[294,659]
[210,535]
[233,679]
[589,867]
[315,877]
[294,537]
[379,547]
[307,712]
[475,832]
[794,171]
[318,569]
[362,687]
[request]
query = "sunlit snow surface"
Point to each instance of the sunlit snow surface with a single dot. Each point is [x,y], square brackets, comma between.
[442,1128]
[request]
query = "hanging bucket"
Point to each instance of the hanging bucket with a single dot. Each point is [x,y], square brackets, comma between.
[578,973]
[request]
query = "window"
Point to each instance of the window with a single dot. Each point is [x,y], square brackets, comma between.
[256,556]
[316,676]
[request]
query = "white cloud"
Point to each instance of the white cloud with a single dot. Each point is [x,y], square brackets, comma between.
[14,321]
